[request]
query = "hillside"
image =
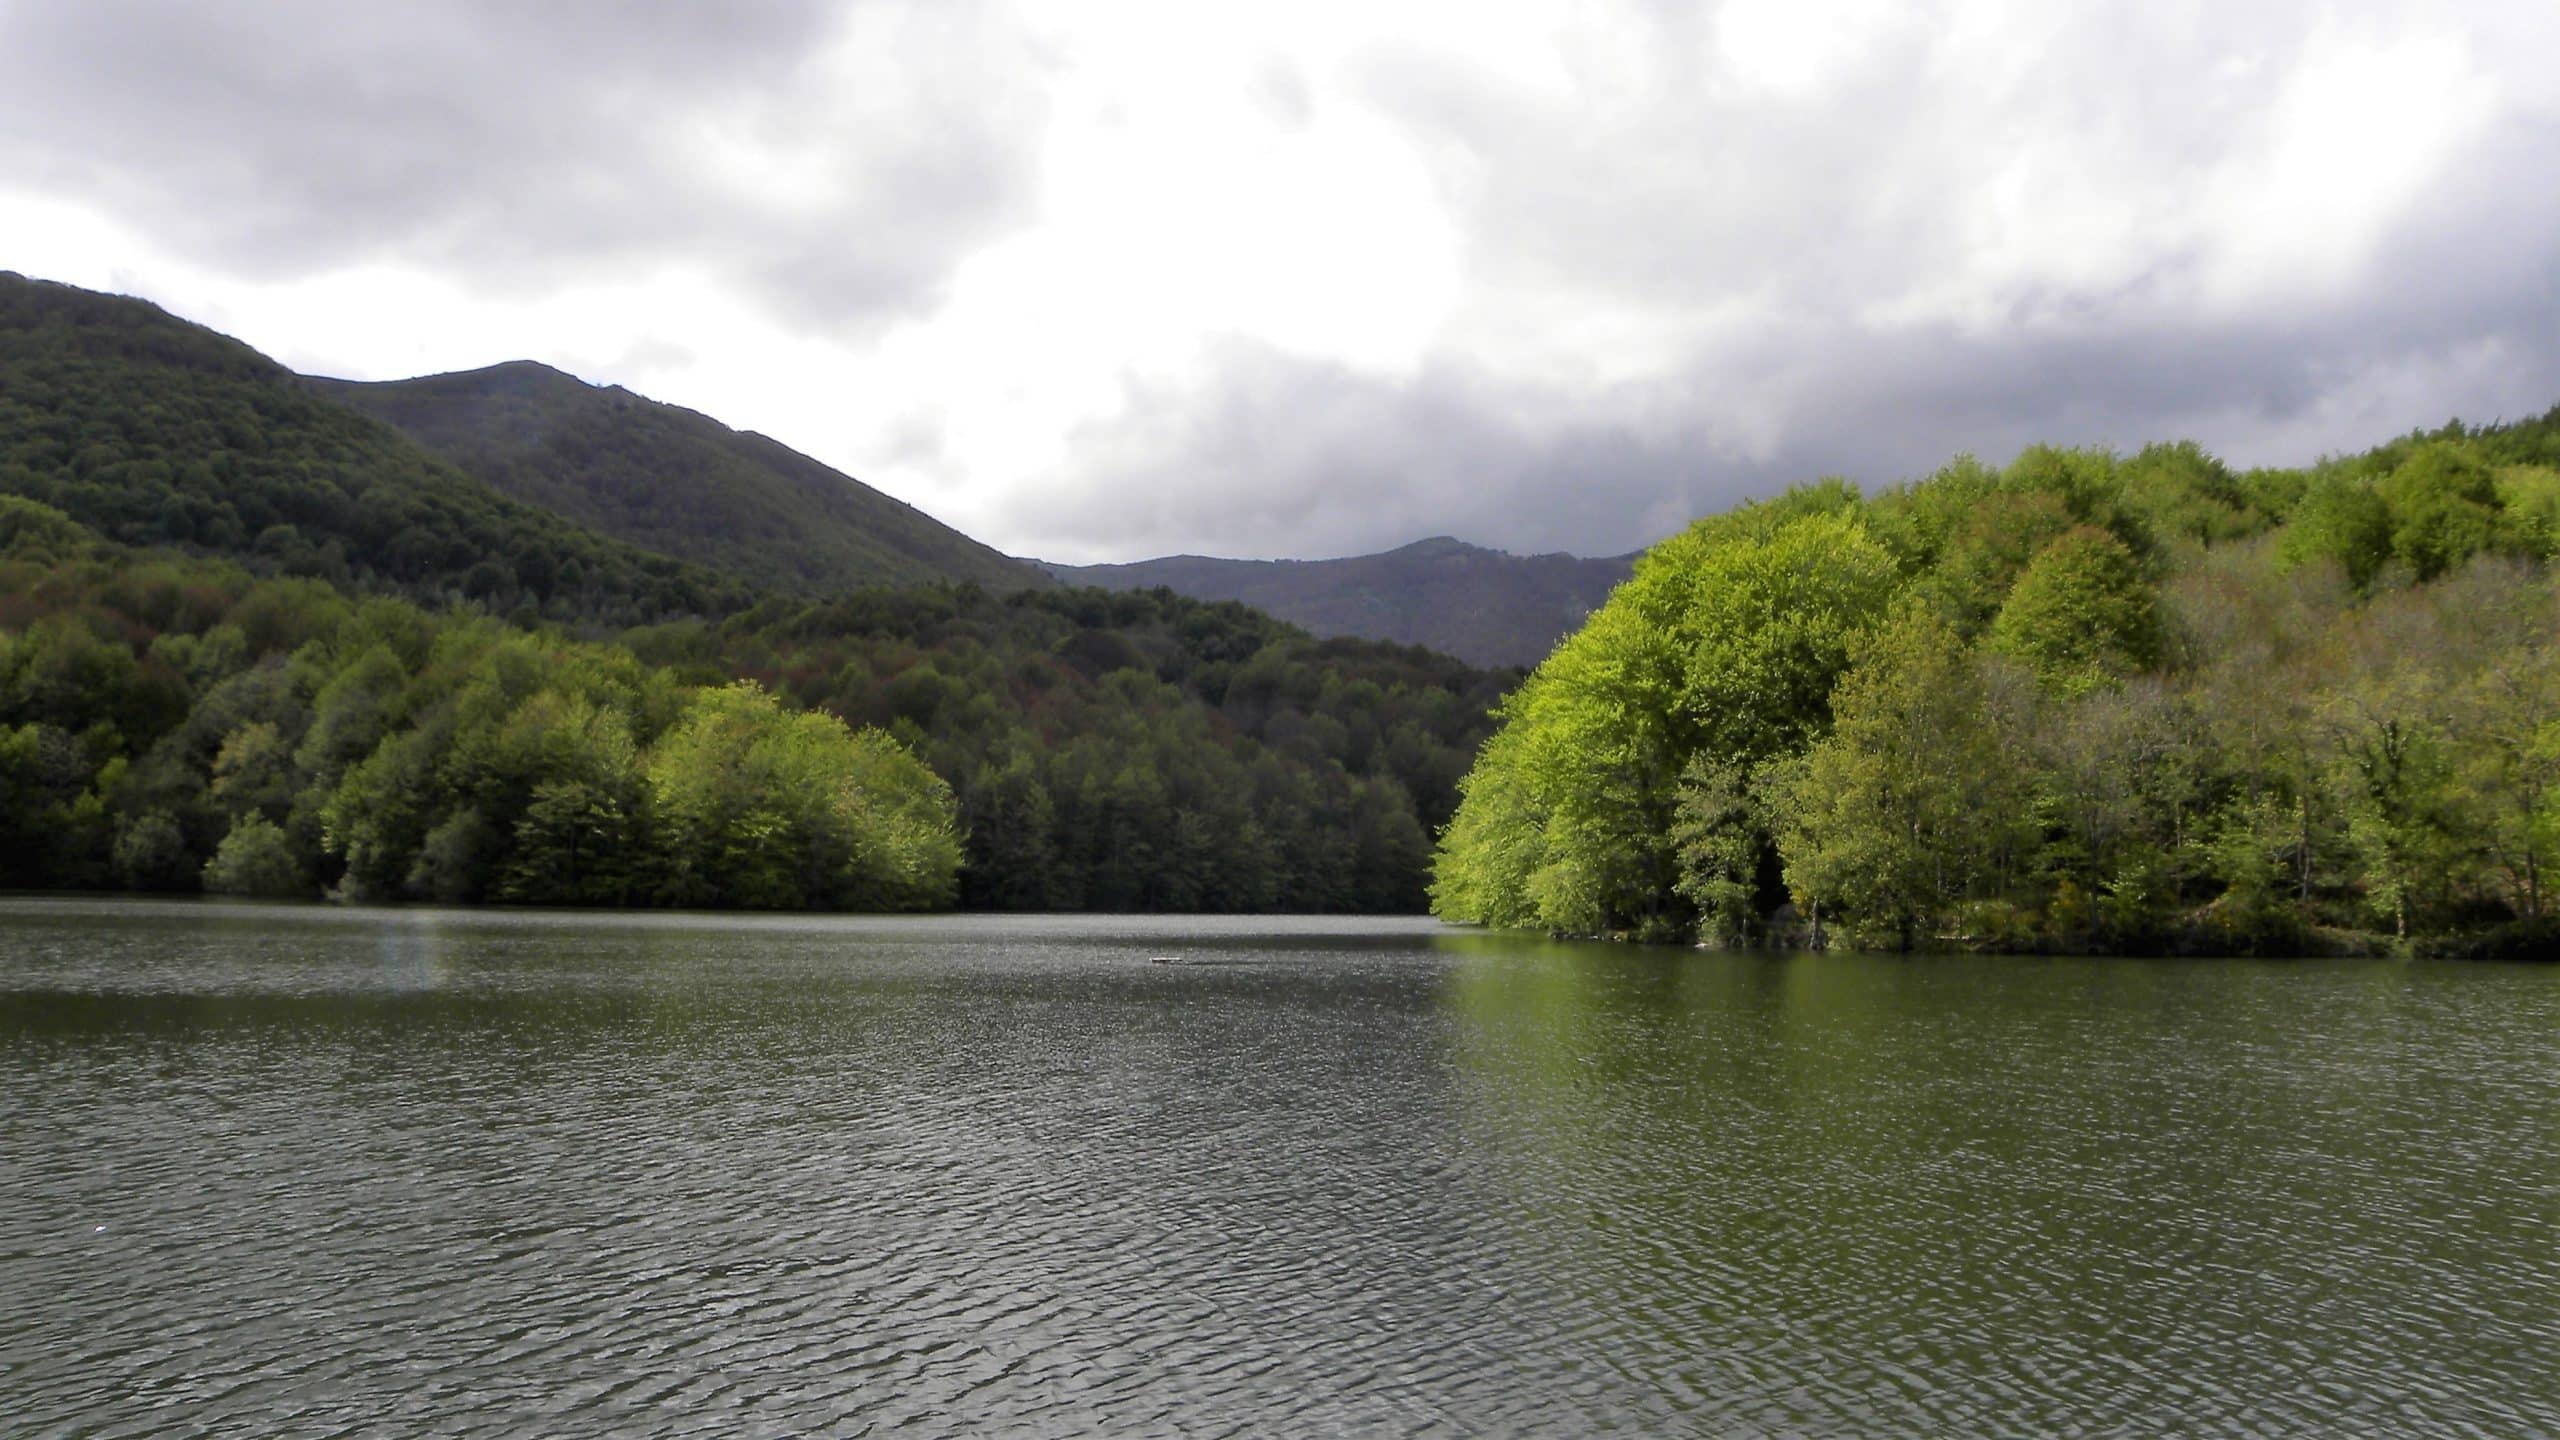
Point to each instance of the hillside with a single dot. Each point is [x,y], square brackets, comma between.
[674,481]
[203,684]
[1486,607]
[2086,701]
[155,431]
[176,722]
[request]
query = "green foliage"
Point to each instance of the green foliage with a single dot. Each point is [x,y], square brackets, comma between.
[1719,830]
[2444,508]
[150,853]
[2340,519]
[2081,614]
[257,858]
[1767,626]
[2529,504]
[1114,751]
[1135,750]
[2119,703]
[1725,645]
[152,431]
[764,807]
[285,739]
[671,481]
[1889,822]
[2180,492]
[40,533]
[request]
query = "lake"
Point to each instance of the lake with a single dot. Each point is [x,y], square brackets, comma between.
[332,1171]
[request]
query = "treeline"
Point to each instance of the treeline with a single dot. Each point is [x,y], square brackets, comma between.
[155,432]
[175,723]
[1107,752]
[2083,702]
[1136,751]
[169,723]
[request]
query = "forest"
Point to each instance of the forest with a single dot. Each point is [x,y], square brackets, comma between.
[152,431]
[673,482]
[173,722]
[2083,702]
[253,640]
[1135,750]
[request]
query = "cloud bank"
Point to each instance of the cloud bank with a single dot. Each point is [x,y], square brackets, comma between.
[1103,283]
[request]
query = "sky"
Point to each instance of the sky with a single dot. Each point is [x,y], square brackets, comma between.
[1101,281]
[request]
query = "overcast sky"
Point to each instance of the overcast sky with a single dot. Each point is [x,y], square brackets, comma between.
[1104,281]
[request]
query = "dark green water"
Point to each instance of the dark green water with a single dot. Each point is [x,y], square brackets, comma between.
[272,1171]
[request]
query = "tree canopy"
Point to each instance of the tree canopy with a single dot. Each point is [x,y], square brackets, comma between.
[2081,701]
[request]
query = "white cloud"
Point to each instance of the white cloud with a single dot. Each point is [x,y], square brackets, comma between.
[1099,281]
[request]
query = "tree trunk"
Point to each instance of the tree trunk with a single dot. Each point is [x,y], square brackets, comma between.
[2303,849]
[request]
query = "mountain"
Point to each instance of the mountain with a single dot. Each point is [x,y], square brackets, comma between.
[1484,606]
[296,704]
[675,481]
[155,431]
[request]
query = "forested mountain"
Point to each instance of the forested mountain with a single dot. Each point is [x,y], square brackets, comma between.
[1138,751]
[154,431]
[1483,606]
[676,482]
[2085,701]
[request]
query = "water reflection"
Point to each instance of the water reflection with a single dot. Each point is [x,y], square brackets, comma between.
[1806,1190]
[545,1175]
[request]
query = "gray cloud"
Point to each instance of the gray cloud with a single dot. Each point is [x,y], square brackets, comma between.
[528,145]
[1274,454]
[1943,237]
[1683,193]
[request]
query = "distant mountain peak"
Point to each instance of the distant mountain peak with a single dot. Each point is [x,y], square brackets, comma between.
[1438,545]
[1487,607]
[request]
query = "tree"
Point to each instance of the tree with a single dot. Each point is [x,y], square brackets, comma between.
[1905,807]
[2339,518]
[1721,835]
[762,808]
[2081,615]
[256,858]
[2443,502]
[151,853]
[1766,627]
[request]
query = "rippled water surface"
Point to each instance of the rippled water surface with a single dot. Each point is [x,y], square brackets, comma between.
[276,1171]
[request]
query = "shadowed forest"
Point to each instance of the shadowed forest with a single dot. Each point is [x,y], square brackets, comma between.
[173,721]
[255,641]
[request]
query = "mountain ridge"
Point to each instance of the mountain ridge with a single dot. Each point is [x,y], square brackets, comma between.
[674,480]
[1485,606]
[155,430]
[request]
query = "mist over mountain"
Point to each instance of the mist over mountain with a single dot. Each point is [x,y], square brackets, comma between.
[1487,607]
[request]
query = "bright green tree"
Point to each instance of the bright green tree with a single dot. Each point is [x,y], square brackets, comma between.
[2082,614]
[1910,804]
[256,858]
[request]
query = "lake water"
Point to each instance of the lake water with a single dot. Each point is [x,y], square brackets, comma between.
[297,1171]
